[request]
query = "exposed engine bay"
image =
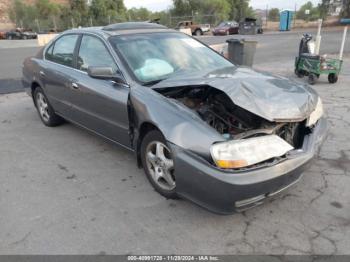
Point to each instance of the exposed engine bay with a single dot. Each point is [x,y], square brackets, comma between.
[233,122]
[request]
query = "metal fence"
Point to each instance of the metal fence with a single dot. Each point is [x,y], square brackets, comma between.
[59,23]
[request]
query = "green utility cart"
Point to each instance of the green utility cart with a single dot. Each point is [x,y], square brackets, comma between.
[314,66]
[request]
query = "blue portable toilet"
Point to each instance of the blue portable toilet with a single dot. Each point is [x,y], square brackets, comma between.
[286,18]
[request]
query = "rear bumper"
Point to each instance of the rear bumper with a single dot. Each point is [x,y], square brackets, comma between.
[226,192]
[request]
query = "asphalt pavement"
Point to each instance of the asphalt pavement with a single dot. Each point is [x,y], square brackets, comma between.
[66,191]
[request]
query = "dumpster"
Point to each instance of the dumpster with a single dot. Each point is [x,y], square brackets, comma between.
[241,51]
[248,26]
[286,18]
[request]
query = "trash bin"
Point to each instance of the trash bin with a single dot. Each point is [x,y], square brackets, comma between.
[241,51]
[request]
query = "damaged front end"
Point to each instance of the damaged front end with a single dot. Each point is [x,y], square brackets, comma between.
[235,138]
[249,140]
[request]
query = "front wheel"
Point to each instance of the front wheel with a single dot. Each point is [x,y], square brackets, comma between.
[158,164]
[46,112]
[332,78]
[312,79]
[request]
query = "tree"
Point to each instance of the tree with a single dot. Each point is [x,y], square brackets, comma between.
[345,13]
[323,8]
[202,10]
[274,14]
[28,15]
[139,14]
[240,9]
[107,11]
[313,15]
[79,11]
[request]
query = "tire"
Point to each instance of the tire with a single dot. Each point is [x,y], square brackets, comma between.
[332,78]
[157,162]
[45,110]
[9,37]
[299,73]
[24,37]
[198,32]
[227,32]
[312,79]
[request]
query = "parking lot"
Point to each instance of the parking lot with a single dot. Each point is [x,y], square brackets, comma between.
[66,191]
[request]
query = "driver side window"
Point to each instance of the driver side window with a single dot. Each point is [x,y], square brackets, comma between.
[93,52]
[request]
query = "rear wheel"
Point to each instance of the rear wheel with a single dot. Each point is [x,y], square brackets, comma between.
[299,73]
[312,79]
[46,112]
[198,32]
[332,78]
[9,37]
[158,164]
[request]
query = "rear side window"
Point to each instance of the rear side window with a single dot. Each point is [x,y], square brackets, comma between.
[48,54]
[93,52]
[62,51]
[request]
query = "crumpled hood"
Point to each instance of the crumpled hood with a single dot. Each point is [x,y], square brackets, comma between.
[271,97]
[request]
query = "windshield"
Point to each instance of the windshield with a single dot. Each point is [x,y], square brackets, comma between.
[222,24]
[157,56]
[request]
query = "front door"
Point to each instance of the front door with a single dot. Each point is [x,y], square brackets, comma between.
[99,105]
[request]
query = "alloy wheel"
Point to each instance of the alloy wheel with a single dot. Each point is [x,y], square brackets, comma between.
[160,165]
[43,107]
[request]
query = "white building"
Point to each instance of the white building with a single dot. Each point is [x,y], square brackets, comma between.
[335,7]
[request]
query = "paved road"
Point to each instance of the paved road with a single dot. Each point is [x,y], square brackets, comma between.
[284,46]
[11,67]
[65,191]
[272,47]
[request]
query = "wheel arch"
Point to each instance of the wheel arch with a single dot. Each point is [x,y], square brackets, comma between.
[144,128]
[34,86]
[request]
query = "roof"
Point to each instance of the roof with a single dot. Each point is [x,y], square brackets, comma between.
[125,28]
[133,26]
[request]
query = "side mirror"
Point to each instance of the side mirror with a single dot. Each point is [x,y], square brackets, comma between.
[106,73]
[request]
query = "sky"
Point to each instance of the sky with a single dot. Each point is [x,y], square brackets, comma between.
[158,5]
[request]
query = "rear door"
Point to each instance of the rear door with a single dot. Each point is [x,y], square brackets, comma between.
[99,105]
[56,71]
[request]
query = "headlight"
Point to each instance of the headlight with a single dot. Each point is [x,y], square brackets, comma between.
[316,114]
[246,152]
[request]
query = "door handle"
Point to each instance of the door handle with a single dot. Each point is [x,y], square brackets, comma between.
[75,85]
[42,73]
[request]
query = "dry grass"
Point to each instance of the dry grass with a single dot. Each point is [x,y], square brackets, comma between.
[331,21]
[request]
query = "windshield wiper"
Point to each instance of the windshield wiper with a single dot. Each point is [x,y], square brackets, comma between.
[153,82]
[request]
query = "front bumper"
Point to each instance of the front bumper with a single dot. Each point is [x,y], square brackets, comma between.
[225,192]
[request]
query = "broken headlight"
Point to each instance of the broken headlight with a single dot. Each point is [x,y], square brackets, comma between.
[247,152]
[316,114]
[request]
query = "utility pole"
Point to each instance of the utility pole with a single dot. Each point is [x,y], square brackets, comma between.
[267,15]
[37,24]
[295,14]
[54,23]
[233,10]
